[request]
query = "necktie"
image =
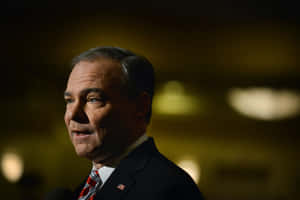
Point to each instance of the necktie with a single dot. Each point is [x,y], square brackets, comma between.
[89,190]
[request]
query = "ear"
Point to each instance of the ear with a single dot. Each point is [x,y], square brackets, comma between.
[143,105]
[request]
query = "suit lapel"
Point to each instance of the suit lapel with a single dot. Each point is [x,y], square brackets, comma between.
[122,179]
[116,186]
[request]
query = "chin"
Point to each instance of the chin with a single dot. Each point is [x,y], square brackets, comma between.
[82,154]
[82,151]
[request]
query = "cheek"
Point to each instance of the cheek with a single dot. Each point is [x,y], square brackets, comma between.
[66,118]
[100,118]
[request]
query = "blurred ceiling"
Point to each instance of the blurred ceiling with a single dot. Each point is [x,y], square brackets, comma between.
[209,46]
[203,49]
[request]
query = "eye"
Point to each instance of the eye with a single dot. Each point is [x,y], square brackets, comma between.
[68,100]
[93,99]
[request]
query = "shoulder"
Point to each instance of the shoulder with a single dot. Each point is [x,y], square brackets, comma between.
[161,165]
[156,164]
[166,178]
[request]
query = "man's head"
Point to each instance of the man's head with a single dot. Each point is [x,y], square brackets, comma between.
[108,101]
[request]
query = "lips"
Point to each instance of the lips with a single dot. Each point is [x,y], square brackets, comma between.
[81,136]
[81,132]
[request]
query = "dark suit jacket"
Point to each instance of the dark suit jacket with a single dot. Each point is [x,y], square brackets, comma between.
[147,175]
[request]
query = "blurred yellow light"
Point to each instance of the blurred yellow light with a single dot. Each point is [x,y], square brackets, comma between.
[173,100]
[191,167]
[12,166]
[265,103]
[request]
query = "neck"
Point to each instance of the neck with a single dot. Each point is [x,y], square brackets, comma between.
[97,165]
[115,159]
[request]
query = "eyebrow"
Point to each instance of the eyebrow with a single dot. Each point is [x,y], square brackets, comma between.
[85,91]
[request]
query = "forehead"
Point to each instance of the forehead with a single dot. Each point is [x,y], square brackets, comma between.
[101,73]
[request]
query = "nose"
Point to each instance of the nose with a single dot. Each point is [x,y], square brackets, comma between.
[76,112]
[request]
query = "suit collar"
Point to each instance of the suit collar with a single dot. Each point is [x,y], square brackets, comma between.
[116,161]
[123,178]
[137,159]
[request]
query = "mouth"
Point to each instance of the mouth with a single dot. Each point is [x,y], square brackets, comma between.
[81,132]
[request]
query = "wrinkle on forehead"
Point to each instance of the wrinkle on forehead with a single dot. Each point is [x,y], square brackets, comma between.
[102,72]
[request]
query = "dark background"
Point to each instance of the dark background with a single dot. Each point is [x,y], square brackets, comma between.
[208,46]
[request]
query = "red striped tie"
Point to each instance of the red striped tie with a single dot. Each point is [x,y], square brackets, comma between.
[89,190]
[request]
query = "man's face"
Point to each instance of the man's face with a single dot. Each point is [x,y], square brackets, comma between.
[100,119]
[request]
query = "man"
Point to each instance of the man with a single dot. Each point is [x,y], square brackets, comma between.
[108,107]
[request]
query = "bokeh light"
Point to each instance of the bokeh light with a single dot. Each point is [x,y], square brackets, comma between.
[12,166]
[265,103]
[191,167]
[173,100]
